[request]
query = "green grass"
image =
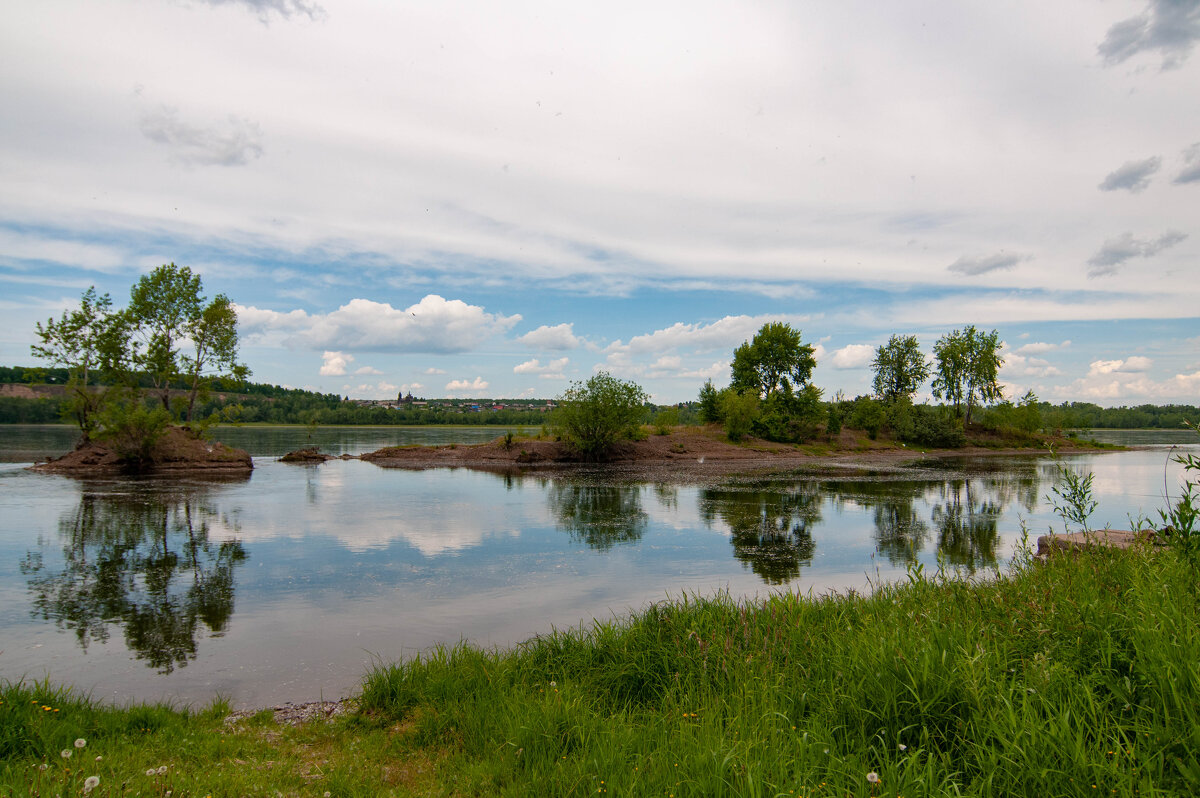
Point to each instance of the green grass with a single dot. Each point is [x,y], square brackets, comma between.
[1076,677]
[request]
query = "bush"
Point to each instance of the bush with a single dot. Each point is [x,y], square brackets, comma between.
[833,420]
[665,419]
[132,430]
[739,410]
[710,404]
[790,418]
[869,416]
[931,426]
[593,416]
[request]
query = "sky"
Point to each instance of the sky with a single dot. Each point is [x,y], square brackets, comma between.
[480,199]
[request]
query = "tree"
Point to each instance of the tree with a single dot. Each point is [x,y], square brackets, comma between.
[84,341]
[593,416]
[900,368]
[967,368]
[163,307]
[775,361]
[215,342]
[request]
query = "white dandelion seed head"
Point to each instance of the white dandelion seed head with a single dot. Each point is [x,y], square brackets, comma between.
[162,770]
[99,758]
[151,772]
[80,743]
[553,684]
[43,766]
[91,783]
[873,777]
[66,753]
[903,747]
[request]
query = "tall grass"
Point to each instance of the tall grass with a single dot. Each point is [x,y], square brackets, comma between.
[1076,677]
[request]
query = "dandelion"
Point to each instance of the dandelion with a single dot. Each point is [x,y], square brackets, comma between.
[65,753]
[873,777]
[91,783]
[151,772]
[903,747]
[43,766]
[80,743]
[162,770]
[554,684]
[99,758]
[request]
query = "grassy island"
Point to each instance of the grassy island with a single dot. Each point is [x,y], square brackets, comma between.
[1076,676]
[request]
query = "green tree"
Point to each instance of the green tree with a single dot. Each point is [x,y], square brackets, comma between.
[593,416]
[215,344]
[710,404]
[163,307]
[967,368]
[85,341]
[900,368]
[774,361]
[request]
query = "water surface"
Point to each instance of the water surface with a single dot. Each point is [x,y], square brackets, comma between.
[287,583]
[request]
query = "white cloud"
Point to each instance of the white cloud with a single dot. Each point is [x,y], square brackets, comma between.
[284,8]
[558,337]
[1019,365]
[1040,347]
[469,388]
[1129,365]
[432,325]
[235,142]
[335,363]
[551,371]
[726,333]
[433,371]
[367,371]
[380,390]
[853,356]
[990,263]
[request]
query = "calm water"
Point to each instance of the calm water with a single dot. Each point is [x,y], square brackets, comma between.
[287,584]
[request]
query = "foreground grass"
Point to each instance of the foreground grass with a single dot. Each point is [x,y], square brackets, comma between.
[1078,677]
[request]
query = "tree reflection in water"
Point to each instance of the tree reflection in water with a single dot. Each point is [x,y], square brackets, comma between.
[141,558]
[598,514]
[771,527]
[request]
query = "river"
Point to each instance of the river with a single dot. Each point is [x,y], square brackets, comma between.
[289,583]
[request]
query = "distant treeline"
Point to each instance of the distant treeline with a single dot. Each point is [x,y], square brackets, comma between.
[257,403]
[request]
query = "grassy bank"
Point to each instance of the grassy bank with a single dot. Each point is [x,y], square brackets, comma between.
[1077,677]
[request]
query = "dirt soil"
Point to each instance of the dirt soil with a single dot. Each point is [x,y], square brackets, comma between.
[686,454]
[179,450]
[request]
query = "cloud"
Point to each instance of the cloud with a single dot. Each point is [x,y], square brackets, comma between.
[853,356]
[476,387]
[284,8]
[433,371]
[551,371]
[433,325]
[1132,176]
[335,364]
[236,144]
[1130,365]
[1039,347]
[368,371]
[989,263]
[1170,27]
[726,333]
[1116,251]
[1028,366]
[558,337]
[380,390]
[1191,166]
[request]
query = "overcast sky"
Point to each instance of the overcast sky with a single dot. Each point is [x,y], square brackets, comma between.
[494,199]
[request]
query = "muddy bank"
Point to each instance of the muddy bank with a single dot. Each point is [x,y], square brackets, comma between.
[179,450]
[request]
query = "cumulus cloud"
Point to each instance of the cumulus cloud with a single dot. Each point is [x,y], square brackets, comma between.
[367,371]
[476,387]
[335,363]
[235,143]
[434,325]
[727,333]
[853,356]
[1168,27]
[1116,251]
[380,390]
[1040,347]
[1022,366]
[989,263]
[558,337]
[1130,365]
[433,371]
[1191,166]
[551,371]
[1132,176]
[284,8]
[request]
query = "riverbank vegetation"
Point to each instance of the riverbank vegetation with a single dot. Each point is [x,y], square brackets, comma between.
[1072,677]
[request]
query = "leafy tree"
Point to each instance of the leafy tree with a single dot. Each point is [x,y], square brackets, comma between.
[738,411]
[84,341]
[967,368]
[710,404]
[593,416]
[774,361]
[900,368]
[163,307]
[215,341]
